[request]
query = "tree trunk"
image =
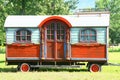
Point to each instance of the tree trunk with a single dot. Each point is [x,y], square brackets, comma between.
[22,11]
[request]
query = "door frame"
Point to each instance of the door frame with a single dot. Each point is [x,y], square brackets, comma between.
[55,39]
[43,40]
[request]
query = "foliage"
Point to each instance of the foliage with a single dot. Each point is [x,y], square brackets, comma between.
[33,7]
[114,7]
[2,49]
[114,49]
[2,18]
[37,7]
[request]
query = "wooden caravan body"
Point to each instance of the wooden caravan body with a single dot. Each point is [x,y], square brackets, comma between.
[63,39]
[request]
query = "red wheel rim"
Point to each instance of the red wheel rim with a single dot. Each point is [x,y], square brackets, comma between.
[95,68]
[25,67]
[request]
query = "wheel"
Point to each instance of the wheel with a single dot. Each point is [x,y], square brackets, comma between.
[25,67]
[95,68]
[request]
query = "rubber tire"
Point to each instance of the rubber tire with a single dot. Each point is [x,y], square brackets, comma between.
[95,68]
[25,67]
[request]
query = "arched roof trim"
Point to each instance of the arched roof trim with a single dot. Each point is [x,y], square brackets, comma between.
[55,18]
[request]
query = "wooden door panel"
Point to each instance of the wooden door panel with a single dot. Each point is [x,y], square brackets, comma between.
[50,50]
[60,50]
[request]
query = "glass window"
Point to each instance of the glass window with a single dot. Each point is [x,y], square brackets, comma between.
[23,36]
[88,35]
[60,31]
[56,28]
[50,31]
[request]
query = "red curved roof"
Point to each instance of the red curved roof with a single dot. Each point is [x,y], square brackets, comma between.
[57,18]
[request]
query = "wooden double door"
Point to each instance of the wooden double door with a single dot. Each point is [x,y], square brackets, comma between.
[55,39]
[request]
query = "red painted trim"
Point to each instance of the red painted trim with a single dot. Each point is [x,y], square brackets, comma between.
[22,44]
[55,18]
[88,44]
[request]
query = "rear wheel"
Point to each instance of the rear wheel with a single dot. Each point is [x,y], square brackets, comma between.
[95,68]
[25,67]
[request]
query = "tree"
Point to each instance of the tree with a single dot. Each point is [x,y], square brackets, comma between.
[114,7]
[2,18]
[38,7]
[33,7]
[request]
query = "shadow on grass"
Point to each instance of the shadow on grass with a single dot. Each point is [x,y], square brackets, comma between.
[2,52]
[11,69]
[2,61]
[8,69]
[60,70]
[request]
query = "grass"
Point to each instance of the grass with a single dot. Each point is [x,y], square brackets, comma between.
[114,57]
[59,76]
[108,72]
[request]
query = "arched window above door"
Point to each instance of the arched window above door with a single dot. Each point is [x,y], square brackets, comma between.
[23,35]
[57,30]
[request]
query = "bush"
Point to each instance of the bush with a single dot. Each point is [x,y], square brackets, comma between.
[114,49]
[2,49]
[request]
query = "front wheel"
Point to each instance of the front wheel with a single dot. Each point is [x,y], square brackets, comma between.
[95,68]
[24,67]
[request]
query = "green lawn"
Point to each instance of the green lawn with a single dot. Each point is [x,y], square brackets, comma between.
[108,72]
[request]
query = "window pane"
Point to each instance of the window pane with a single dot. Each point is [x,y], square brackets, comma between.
[48,31]
[58,37]
[62,27]
[58,26]
[82,38]
[87,32]
[52,32]
[93,38]
[62,37]
[52,26]
[86,38]
[18,38]
[48,37]
[23,33]
[92,32]
[28,33]
[63,31]
[82,32]
[58,32]
[18,33]
[52,37]
[23,38]
[48,27]
[28,38]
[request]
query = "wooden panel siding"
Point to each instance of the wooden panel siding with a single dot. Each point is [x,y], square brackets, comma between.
[26,50]
[10,35]
[88,51]
[75,35]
